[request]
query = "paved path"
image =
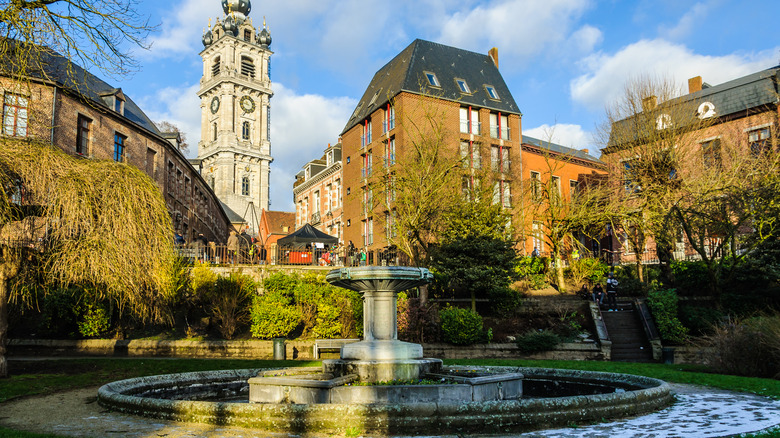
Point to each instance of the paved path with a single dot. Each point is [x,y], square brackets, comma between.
[698,412]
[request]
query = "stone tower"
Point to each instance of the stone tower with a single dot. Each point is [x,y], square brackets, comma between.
[235,93]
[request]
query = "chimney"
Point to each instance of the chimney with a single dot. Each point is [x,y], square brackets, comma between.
[649,103]
[493,54]
[694,84]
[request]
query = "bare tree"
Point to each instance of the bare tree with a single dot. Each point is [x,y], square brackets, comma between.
[421,185]
[100,33]
[84,222]
[167,127]
[560,215]
[650,135]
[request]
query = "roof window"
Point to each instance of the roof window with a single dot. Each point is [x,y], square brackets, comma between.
[464,87]
[491,91]
[432,80]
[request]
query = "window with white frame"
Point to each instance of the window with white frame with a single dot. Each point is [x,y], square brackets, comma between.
[710,153]
[15,115]
[538,237]
[759,140]
[469,120]
[536,185]
[388,123]
[469,155]
[390,152]
[555,183]
[499,158]
[499,126]
[367,164]
[502,194]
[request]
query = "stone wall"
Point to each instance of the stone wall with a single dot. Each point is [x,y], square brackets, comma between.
[263,350]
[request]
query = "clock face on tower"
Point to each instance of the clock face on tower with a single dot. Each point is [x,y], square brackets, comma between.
[247,104]
[214,104]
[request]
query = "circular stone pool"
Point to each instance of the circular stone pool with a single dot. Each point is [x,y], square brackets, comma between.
[551,398]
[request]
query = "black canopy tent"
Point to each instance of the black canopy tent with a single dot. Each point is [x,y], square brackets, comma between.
[306,235]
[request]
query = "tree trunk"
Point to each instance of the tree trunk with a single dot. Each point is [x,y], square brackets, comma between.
[473,300]
[9,267]
[423,290]
[559,273]
[3,324]
[640,270]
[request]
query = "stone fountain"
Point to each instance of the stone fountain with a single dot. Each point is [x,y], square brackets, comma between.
[342,396]
[380,356]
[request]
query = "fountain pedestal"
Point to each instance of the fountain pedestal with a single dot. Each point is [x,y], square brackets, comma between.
[380,355]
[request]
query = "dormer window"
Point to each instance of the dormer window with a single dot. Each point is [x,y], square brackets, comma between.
[247,35]
[432,80]
[463,86]
[247,67]
[491,91]
[373,99]
[215,67]
[119,105]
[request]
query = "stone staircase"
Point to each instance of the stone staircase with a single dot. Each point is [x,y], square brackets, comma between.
[629,340]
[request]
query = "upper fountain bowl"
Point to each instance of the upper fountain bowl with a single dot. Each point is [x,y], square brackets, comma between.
[379,278]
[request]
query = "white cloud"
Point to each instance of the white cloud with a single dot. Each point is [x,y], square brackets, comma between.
[586,38]
[605,74]
[302,125]
[519,28]
[568,135]
[696,15]
[181,31]
[179,106]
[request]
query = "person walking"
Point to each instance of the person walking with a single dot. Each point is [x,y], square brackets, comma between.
[612,285]
[232,247]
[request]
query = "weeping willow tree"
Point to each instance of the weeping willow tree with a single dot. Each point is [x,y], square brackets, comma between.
[91,223]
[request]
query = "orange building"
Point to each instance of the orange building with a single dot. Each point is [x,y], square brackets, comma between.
[547,163]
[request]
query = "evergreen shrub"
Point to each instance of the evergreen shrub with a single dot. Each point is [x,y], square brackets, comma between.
[460,326]
[273,315]
[504,301]
[533,270]
[537,341]
[663,307]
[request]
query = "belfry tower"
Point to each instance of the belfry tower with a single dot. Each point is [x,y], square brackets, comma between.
[235,93]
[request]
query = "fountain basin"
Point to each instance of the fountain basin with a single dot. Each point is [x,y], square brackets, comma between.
[630,396]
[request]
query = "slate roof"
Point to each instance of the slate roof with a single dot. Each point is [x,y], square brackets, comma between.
[750,92]
[553,147]
[54,67]
[406,72]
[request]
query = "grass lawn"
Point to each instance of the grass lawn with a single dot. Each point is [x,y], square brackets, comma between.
[46,377]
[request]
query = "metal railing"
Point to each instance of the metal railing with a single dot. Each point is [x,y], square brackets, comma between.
[283,255]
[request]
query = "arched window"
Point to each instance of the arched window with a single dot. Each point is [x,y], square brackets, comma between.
[214,131]
[215,67]
[247,67]
[245,129]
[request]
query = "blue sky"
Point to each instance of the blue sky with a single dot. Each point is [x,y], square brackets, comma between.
[563,60]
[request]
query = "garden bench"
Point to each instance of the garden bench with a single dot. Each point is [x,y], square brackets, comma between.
[330,345]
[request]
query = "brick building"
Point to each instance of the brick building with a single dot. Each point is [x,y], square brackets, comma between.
[86,117]
[720,124]
[479,120]
[545,163]
[317,193]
